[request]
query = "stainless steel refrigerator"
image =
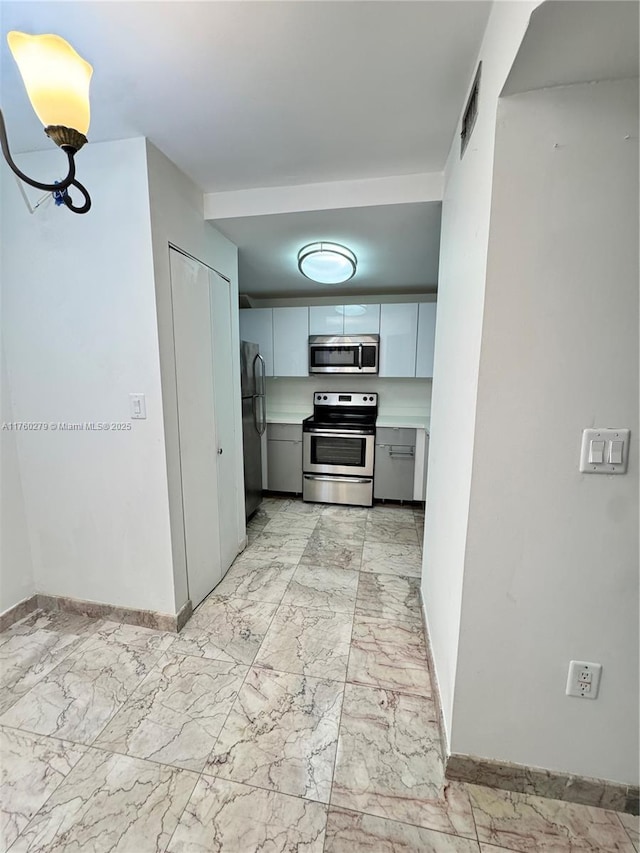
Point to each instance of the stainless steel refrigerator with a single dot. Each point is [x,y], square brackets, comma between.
[254,422]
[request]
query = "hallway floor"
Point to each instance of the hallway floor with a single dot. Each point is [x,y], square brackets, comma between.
[292,713]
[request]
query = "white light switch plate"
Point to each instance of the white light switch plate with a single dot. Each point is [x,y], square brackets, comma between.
[606,435]
[137,406]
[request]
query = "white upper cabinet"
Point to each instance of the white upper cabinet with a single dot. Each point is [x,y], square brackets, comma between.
[426,339]
[398,337]
[326,320]
[365,322]
[256,326]
[291,341]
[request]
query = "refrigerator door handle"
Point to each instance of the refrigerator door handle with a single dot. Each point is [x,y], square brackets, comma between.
[260,425]
[260,386]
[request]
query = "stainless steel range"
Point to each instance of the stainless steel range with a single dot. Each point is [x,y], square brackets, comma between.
[338,445]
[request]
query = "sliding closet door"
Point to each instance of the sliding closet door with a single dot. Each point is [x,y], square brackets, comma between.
[191,293]
[223,393]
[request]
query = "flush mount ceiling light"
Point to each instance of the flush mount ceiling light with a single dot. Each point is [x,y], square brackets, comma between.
[57,82]
[327,263]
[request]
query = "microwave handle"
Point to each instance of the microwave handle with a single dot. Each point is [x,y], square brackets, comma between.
[359,356]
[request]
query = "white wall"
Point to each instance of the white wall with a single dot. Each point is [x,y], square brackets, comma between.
[80,335]
[551,568]
[463,253]
[16,568]
[295,394]
[177,218]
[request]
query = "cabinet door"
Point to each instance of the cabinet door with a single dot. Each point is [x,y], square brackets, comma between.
[365,322]
[426,339]
[291,341]
[394,472]
[285,459]
[326,320]
[398,335]
[256,326]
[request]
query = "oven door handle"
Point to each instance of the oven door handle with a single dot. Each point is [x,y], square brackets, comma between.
[326,479]
[359,356]
[334,434]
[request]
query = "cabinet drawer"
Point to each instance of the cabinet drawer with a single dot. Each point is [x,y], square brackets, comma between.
[284,432]
[394,472]
[395,435]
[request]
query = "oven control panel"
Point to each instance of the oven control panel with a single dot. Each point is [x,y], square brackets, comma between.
[332,398]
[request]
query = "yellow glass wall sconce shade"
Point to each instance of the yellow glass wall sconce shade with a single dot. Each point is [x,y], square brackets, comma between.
[57,82]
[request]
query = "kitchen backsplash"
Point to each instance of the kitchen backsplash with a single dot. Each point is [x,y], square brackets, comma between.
[404,396]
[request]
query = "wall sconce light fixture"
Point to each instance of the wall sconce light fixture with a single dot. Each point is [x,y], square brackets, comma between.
[57,82]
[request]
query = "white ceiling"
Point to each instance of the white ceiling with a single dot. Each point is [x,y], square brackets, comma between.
[259,94]
[571,42]
[397,247]
[266,94]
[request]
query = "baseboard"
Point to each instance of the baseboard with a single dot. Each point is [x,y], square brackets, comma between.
[129,615]
[520,778]
[18,612]
[433,677]
[543,783]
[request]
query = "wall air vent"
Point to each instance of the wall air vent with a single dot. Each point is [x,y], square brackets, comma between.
[470,112]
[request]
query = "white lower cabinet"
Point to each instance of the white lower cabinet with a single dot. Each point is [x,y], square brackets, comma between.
[394,464]
[284,458]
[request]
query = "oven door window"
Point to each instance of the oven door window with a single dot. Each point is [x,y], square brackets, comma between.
[344,452]
[334,356]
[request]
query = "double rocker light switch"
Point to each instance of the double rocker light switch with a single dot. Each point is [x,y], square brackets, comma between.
[604,451]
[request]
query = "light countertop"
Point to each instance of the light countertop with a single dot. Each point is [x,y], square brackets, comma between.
[408,421]
[287,417]
[397,419]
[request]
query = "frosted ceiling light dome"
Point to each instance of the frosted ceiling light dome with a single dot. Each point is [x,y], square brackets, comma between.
[327,263]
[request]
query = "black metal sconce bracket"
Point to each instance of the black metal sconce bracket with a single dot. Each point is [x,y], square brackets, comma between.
[70,141]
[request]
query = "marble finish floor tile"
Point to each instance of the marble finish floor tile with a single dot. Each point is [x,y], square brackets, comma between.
[227,817]
[341,513]
[353,832]
[287,548]
[529,824]
[25,659]
[59,621]
[301,508]
[388,763]
[388,654]
[388,597]
[110,804]
[287,522]
[392,559]
[307,641]
[328,589]
[343,531]
[391,531]
[76,699]
[226,629]
[338,556]
[389,513]
[31,768]
[632,825]
[281,734]
[258,580]
[176,714]
[147,639]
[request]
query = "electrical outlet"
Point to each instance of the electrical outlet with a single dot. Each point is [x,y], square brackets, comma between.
[583,679]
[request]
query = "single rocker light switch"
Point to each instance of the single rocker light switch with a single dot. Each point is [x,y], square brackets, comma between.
[596,453]
[616,449]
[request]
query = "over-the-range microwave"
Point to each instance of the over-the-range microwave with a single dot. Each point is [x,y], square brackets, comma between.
[344,353]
